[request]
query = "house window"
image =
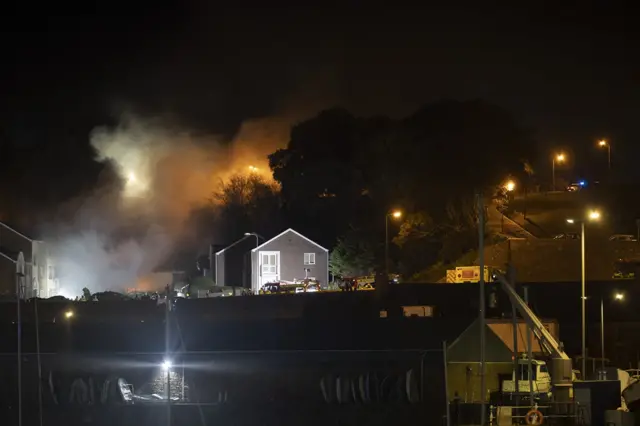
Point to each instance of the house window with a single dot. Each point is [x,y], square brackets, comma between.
[309,258]
[269,263]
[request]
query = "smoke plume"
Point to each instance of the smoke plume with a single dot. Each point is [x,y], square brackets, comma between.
[130,226]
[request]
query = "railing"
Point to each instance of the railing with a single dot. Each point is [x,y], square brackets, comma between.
[546,413]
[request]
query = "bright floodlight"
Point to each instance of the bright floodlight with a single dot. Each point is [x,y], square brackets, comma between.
[68,314]
[570,221]
[619,296]
[594,215]
[166,365]
[560,158]
[253,168]
[396,214]
[510,186]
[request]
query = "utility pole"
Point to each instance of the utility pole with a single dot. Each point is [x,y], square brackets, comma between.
[583,302]
[529,351]
[602,331]
[481,311]
[20,274]
[168,359]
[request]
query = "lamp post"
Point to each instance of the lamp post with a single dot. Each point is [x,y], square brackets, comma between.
[593,215]
[509,186]
[618,297]
[396,214]
[556,158]
[603,143]
[249,234]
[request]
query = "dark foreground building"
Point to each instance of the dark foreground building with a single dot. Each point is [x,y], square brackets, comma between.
[285,372]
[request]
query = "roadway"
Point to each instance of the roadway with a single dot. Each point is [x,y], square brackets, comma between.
[497,223]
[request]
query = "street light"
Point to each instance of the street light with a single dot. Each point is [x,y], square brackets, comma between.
[396,214]
[603,143]
[559,158]
[619,297]
[248,234]
[510,186]
[68,314]
[592,215]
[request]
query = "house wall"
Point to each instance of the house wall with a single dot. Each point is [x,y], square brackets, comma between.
[255,273]
[292,248]
[219,272]
[233,264]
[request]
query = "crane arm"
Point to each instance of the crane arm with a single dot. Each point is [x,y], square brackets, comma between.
[543,335]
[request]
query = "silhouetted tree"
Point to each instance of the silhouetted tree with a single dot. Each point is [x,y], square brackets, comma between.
[246,203]
[352,256]
[339,170]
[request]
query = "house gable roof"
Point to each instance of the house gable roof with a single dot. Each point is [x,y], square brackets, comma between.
[232,244]
[4,256]
[20,234]
[285,232]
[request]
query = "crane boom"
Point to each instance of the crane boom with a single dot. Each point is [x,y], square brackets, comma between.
[542,334]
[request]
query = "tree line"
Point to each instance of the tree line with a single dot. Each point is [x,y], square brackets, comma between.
[340,175]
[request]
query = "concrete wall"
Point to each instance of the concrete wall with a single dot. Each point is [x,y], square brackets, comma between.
[44,276]
[542,260]
[40,265]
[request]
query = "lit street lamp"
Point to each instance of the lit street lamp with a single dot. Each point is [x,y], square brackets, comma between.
[396,214]
[603,143]
[510,186]
[248,234]
[618,297]
[559,158]
[592,215]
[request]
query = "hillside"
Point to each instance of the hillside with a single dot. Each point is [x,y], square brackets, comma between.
[547,213]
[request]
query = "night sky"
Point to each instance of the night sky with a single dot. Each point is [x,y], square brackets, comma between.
[567,73]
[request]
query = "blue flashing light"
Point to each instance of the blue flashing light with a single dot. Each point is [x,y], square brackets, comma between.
[582,183]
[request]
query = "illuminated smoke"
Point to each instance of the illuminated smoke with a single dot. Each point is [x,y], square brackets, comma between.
[121,233]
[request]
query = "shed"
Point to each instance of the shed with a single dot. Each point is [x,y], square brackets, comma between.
[463,363]
[232,266]
[286,257]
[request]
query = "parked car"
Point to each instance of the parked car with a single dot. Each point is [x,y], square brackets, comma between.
[622,237]
[567,236]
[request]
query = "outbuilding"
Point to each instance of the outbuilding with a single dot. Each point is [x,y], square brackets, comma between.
[288,256]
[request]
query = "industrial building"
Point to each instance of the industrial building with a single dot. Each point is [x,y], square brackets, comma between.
[41,279]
